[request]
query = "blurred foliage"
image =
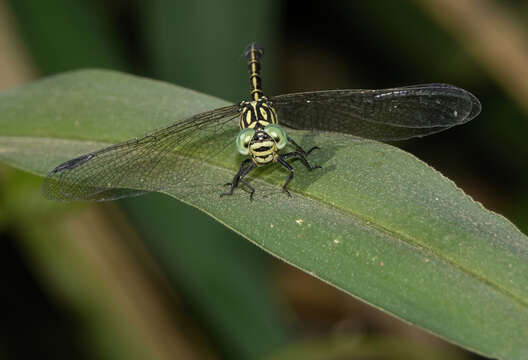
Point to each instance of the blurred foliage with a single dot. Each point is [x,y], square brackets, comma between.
[198,45]
[341,346]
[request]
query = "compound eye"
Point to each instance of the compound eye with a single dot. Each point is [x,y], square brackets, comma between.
[278,135]
[243,139]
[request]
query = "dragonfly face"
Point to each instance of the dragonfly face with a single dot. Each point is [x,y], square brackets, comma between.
[263,148]
[262,143]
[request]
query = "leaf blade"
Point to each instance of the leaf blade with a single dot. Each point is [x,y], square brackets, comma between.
[375,221]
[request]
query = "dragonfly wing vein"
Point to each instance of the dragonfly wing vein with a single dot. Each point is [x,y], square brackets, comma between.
[386,114]
[151,163]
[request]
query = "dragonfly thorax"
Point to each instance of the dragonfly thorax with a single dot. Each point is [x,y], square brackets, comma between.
[257,114]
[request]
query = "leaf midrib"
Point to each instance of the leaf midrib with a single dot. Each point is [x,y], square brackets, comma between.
[374,224]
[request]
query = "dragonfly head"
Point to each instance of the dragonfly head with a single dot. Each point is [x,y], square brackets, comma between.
[262,144]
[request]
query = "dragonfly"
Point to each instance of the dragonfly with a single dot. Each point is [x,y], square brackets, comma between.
[163,157]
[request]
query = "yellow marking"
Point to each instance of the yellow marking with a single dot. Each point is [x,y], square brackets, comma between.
[264,113]
[269,145]
[265,160]
[252,125]
[263,143]
[248,117]
[274,115]
[262,156]
[264,123]
[242,117]
[263,152]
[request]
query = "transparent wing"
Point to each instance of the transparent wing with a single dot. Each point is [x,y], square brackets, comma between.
[387,114]
[150,163]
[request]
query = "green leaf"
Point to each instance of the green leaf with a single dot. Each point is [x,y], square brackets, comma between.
[375,221]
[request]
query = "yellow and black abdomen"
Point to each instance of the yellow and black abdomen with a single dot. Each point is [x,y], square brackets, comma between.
[254,54]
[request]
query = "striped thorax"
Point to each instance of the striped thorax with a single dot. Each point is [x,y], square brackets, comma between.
[255,114]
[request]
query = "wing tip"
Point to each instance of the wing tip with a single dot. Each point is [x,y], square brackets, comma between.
[476,106]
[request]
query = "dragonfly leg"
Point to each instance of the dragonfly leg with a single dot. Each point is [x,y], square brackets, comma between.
[280,160]
[300,149]
[251,188]
[302,157]
[245,167]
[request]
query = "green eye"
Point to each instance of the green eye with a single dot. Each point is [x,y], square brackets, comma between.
[278,135]
[243,139]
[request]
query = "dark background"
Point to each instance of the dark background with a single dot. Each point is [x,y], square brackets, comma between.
[153,278]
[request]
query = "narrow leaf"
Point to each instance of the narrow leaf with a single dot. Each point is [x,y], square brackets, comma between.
[375,221]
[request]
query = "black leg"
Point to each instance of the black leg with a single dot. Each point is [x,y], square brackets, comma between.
[283,162]
[302,157]
[251,188]
[239,177]
[300,149]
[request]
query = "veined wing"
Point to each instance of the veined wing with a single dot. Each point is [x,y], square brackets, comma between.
[386,114]
[149,163]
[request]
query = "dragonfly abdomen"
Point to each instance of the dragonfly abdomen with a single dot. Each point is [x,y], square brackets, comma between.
[254,55]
